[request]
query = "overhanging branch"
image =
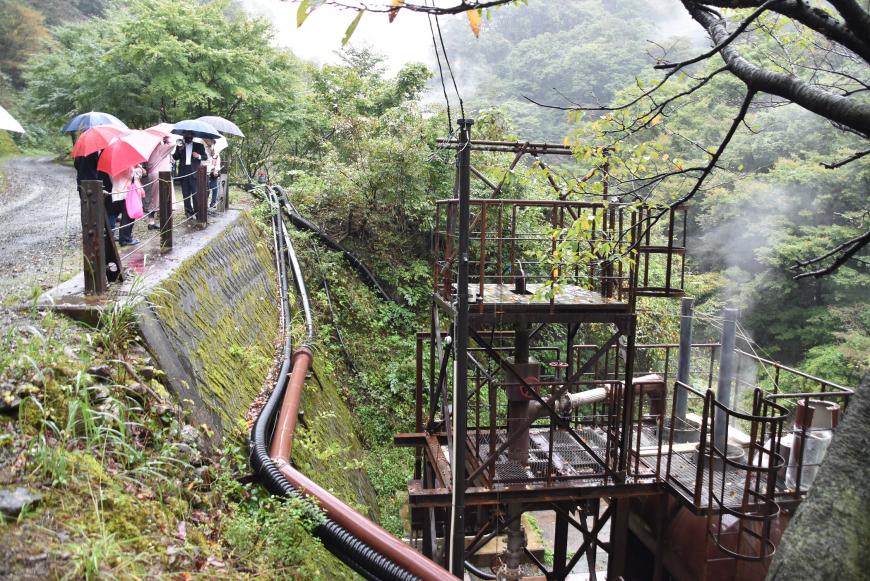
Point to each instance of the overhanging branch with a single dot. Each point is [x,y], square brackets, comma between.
[845,111]
[847,249]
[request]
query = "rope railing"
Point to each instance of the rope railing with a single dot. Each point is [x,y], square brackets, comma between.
[98,238]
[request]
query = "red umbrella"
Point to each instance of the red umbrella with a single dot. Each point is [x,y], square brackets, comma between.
[96,138]
[127,151]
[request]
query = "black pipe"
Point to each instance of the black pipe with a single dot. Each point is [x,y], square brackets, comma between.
[350,550]
[367,275]
[351,364]
[478,572]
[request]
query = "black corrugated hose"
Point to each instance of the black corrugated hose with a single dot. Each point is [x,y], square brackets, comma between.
[367,275]
[349,549]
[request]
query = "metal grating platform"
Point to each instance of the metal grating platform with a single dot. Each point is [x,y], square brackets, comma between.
[568,294]
[683,478]
[570,458]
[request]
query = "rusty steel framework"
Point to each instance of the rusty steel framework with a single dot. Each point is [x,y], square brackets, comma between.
[516,415]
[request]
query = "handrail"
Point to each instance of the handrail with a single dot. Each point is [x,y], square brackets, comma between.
[798,372]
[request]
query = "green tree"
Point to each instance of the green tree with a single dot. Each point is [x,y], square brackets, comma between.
[163,60]
[22,34]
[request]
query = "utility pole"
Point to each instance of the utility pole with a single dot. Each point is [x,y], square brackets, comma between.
[460,344]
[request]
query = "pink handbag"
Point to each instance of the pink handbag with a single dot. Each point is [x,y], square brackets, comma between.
[133,201]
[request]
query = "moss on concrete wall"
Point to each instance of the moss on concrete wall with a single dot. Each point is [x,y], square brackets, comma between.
[213,325]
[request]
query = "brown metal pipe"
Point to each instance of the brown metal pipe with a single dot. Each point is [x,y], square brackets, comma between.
[282,444]
[364,529]
[359,526]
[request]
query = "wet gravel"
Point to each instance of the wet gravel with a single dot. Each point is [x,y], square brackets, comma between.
[40,229]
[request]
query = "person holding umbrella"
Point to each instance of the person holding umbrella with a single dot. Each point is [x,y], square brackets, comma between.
[86,169]
[214,170]
[121,183]
[190,156]
[160,160]
[86,153]
[121,160]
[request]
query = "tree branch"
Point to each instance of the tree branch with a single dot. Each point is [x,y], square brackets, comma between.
[810,16]
[737,32]
[857,19]
[848,249]
[848,112]
[462,6]
[849,159]
[741,115]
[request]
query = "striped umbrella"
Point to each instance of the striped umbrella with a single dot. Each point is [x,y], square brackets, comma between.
[91,119]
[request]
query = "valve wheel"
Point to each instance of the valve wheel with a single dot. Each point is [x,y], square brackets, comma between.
[496,563]
[525,391]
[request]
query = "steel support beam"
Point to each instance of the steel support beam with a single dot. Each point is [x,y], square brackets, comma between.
[460,382]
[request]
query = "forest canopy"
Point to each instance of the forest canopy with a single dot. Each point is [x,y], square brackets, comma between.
[356,144]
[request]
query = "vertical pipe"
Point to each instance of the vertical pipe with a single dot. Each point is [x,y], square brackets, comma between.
[513,241]
[418,406]
[619,526]
[482,253]
[560,543]
[518,407]
[460,386]
[687,308]
[436,249]
[726,375]
[499,245]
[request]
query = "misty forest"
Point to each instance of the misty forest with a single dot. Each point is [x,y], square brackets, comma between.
[752,116]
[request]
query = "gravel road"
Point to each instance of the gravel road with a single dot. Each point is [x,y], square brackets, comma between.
[39,226]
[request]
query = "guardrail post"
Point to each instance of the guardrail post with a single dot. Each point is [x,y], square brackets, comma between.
[93,241]
[726,375]
[201,197]
[687,306]
[225,185]
[165,189]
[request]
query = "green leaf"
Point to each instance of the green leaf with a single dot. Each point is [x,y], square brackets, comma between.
[306,7]
[302,12]
[349,32]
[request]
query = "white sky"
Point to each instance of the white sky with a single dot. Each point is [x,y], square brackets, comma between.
[406,40]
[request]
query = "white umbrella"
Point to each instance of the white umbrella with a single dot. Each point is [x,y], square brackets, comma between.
[219,144]
[222,124]
[162,129]
[8,122]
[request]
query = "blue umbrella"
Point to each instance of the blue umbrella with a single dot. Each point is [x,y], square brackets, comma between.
[88,120]
[222,124]
[199,129]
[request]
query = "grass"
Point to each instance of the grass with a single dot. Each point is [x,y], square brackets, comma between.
[128,490]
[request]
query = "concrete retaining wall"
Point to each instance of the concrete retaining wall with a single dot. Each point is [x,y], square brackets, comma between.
[213,325]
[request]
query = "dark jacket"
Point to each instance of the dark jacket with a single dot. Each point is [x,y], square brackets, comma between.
[194,163]
[86,169]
